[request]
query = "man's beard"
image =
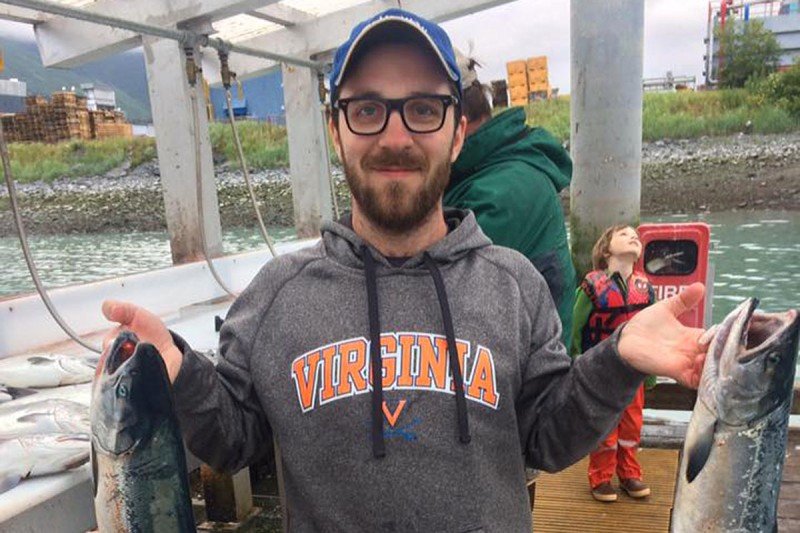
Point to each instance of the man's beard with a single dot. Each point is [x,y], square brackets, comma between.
[396,207]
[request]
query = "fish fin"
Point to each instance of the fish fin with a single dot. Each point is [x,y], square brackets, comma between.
[32,417]
[19,392]
[700,451]
[39,360]
[75,463]
[94,469]
[9,480]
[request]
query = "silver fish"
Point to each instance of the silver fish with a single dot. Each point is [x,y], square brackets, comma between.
[38,455]
[8,394]
[732,462]
[138,458]
[44,370]
[44,416]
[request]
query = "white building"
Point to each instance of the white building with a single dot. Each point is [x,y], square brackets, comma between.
[99,96]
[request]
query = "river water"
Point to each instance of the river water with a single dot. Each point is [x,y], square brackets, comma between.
[755,253]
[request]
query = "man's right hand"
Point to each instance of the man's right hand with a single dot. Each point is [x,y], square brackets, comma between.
[148,327]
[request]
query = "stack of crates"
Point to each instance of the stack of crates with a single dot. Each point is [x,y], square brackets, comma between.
[64,117]
[538,83]
[517,82]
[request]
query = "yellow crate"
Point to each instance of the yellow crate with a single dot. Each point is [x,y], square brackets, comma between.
[519,101]
[536,87]
[537,76]
[518,93]
[520,79]
[516,67]
[538,62]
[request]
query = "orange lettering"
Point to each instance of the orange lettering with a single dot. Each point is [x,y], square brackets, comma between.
[305,371]
[328,357]
[482,385]
[406,349]
[432,362]
[392,417]
[389,344]
[354,367]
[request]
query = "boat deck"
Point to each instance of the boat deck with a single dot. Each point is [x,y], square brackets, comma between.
[563,502]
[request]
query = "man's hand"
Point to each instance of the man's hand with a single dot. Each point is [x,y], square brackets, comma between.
[655,342]
[148,327]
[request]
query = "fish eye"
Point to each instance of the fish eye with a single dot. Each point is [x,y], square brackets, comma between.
[122,390]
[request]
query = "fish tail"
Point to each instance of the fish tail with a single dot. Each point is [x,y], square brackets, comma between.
[9,480]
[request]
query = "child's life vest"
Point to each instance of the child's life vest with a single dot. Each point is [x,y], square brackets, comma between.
[612,303]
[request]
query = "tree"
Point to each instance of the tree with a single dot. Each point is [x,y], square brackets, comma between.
[746,50]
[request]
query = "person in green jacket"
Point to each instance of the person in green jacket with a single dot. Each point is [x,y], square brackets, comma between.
[510,175]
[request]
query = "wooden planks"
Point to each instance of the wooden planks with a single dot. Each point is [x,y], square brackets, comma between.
[565,504]
[64,117]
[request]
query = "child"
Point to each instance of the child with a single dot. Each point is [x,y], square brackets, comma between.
[609,296]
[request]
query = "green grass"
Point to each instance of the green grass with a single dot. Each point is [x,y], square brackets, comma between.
[682,115]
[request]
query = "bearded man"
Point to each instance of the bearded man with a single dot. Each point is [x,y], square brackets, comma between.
[408,368]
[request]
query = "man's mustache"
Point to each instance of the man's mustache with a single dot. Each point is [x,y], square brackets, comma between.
[390,158]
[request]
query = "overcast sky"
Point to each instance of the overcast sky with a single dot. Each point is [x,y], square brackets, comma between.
[673,37]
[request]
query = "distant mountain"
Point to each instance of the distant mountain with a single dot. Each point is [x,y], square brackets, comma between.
[124,72]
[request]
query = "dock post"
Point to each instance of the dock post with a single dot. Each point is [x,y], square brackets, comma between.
[607,41]
[170,100]
[228,498]
[308,151]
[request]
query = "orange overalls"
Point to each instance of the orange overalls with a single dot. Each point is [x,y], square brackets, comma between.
[614,303]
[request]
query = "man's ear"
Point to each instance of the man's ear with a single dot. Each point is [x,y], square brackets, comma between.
[334,134]
[458,138]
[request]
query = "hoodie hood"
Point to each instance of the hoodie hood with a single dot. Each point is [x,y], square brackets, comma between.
[507,138]
[343,245]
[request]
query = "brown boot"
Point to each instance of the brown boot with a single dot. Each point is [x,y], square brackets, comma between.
[604,492]
[635,487]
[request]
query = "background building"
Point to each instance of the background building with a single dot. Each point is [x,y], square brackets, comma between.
[261,99]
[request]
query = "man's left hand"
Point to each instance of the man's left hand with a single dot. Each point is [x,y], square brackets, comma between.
[655,342]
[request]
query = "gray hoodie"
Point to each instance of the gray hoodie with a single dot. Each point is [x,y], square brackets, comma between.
[412,454]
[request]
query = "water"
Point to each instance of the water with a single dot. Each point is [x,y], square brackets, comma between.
[754,254]
[70,259]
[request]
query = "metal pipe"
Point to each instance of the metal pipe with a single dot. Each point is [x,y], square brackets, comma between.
[607,42]
[183,37]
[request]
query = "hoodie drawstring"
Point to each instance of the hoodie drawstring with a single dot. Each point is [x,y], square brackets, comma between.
[376,364]
[455,368]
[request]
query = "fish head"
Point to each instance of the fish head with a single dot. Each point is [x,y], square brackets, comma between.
[755,355]
[131,395]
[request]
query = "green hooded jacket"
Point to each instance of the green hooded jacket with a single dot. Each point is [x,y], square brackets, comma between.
[509,175]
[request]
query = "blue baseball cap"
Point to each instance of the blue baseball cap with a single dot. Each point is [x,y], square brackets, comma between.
[394,22]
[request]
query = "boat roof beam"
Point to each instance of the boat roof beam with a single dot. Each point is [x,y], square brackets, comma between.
[19,14]
[71,36]
[326,32]
[281,14]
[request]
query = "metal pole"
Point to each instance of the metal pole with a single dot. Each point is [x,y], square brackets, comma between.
[606,123]
[183,37]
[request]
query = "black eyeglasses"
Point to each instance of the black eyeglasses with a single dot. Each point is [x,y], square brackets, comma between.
[369,115]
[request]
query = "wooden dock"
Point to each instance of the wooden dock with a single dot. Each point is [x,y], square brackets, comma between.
[563,501]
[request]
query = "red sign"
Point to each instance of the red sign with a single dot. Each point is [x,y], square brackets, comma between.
[674,256]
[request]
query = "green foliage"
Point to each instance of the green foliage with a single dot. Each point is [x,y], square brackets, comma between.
[782,88]
[748,50]
[264,145]
[685,115]
[46,162]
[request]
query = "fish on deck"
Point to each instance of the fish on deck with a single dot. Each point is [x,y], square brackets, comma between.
[37,455]
[43,416]
[45,370]
[8,394]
